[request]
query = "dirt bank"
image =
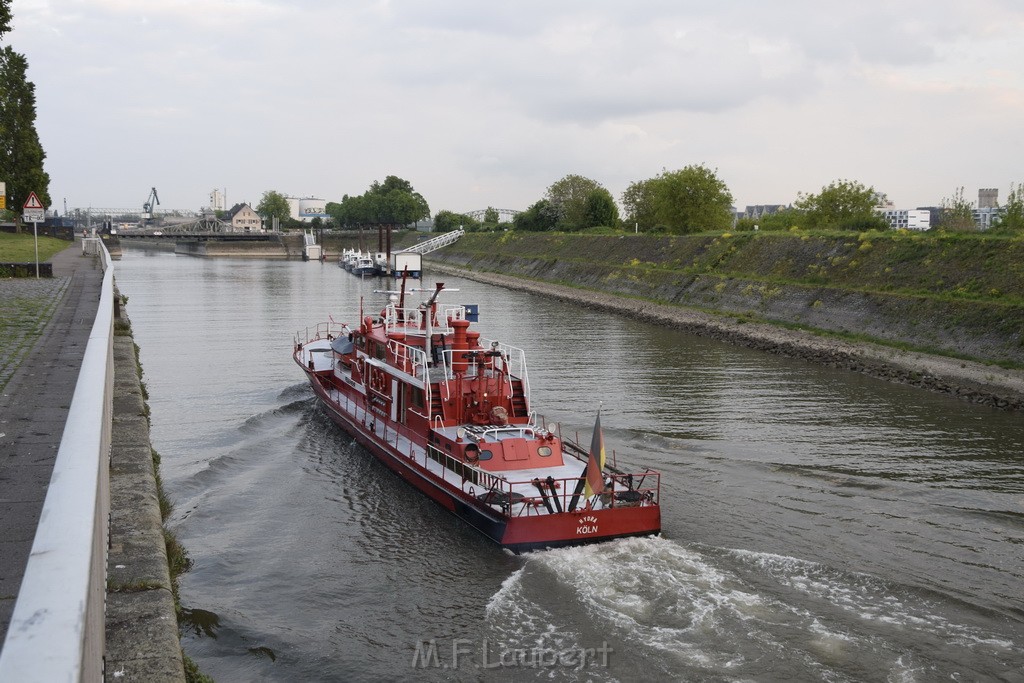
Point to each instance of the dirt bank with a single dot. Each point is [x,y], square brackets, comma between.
[976,382]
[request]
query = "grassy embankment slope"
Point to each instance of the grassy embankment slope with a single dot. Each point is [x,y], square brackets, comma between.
[21,248]
[956,295]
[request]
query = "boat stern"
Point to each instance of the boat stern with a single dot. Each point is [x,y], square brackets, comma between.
[581,527]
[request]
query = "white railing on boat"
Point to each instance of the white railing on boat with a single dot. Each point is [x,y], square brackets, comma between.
[409,320]
[329,330]
[623,490]
[515,359]
[626,490]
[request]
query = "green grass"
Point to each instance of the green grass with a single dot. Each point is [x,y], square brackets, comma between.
[21,248]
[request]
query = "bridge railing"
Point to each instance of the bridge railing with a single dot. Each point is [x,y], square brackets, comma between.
[57,628]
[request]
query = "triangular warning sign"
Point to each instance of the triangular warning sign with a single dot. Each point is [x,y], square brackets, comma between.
[33,201]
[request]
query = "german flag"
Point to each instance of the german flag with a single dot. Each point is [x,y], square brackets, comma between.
[595,464]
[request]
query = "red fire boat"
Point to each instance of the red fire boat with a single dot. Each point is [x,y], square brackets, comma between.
[449,411]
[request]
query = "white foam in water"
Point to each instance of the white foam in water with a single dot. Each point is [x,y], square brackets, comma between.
[649,590]
[868,597]
[681,612]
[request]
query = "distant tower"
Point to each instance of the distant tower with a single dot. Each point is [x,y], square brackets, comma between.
[217,202]
[988,198]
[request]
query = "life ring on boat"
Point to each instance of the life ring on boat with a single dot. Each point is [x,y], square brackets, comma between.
[472,454]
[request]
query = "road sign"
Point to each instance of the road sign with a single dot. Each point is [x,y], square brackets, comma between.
[3,196]
[34,211]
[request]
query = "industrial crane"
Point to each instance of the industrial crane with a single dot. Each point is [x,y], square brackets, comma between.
[151,202]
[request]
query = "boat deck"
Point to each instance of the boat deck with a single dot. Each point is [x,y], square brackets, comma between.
[514,481]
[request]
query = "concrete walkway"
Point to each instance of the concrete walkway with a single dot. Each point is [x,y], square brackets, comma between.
[33,409]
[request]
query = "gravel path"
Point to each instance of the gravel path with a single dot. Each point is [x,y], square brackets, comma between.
[976,382]
[26,305]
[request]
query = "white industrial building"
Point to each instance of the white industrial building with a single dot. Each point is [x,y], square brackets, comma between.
[305,209]
[908,219]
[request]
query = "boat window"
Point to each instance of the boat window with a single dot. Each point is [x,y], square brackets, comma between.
[486,455]
[544,451]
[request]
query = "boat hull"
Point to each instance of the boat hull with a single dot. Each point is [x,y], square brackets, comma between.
[517,533]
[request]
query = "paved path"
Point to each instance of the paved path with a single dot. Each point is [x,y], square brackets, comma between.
[37,385]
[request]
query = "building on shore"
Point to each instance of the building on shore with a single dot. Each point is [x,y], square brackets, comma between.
[908,219]
[243,219]
[305,209]
[218,200]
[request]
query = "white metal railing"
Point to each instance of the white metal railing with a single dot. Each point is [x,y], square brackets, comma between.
[57,628]
[436,242]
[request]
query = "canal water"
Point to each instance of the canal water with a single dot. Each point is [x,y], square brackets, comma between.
[818,525]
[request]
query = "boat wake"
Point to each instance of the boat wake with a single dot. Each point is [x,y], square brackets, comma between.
[670,612]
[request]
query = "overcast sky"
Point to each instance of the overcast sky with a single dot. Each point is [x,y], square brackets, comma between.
[486,104]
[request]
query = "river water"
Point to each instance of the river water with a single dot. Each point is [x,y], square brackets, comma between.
[817,524]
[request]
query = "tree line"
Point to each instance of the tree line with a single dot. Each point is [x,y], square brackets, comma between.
[688,200]
[694,199]
[393,202]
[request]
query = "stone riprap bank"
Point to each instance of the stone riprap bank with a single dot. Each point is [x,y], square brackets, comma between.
[955,295]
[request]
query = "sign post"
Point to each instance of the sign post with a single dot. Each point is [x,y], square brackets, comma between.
[34,213]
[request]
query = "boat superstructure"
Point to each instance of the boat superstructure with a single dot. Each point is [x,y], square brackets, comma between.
[449,411]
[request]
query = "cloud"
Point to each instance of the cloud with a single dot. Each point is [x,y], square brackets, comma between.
[469,98]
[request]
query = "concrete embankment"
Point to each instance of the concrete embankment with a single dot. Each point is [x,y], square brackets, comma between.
[976,382]
[288,246]
[270,249]
[142,627]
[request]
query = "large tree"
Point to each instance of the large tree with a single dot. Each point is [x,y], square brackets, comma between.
[638,200]
[542,216]
[600,209]
[392,202]
[5,17]
[843,205]
[568,198]
[274,205]
[21,154]
[446,221]
[692,199]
